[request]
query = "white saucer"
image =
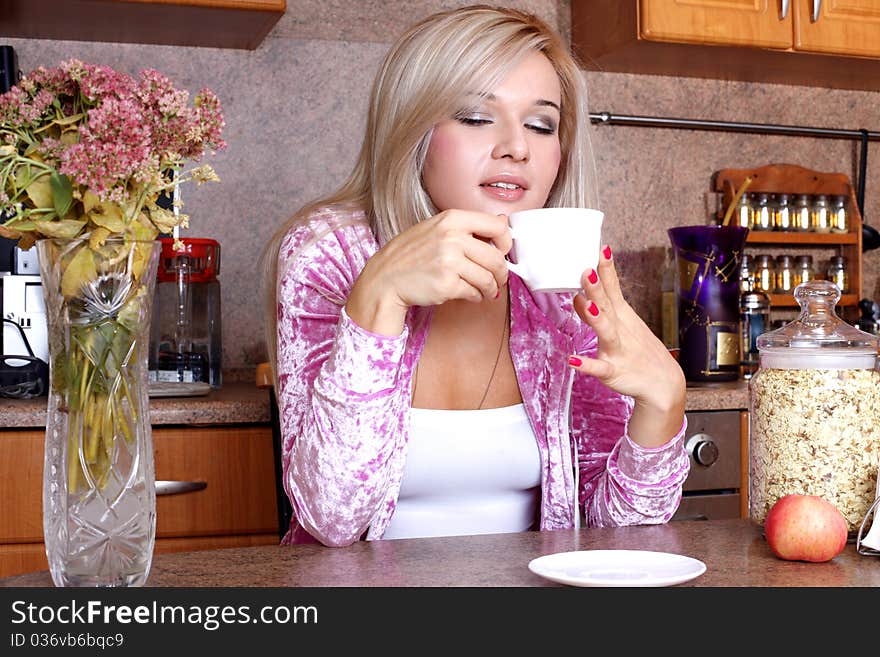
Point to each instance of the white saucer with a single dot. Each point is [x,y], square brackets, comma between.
[617,568]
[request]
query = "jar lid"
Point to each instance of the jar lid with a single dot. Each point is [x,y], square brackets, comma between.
[818,338]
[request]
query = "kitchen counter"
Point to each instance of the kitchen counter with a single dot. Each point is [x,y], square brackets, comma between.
[233,403]
[734,551]
[721,396]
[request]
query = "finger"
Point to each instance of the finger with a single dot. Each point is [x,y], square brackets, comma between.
[608,275]
[479,277]
[600,322]
[490,226]
[601,369]
[487,256]
[594,288]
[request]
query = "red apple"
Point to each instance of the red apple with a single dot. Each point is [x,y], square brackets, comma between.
[805,528]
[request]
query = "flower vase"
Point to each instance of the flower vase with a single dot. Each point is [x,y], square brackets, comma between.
[99,494]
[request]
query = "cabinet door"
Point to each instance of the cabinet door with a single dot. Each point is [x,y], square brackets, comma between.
[755,23]
[844,27]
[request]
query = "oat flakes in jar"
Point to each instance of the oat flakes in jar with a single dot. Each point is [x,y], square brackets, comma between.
[814,410]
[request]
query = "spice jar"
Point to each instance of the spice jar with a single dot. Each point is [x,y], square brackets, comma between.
[837,274]
[814,403]
[765,274]
[743,211]
[800,218]
[820,218]
[762,219]
[755,319]
[839,215]
[782,213]
[803,269]
[784,274]
[746,273]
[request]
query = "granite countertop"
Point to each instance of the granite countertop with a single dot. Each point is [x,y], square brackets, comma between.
[244,403]
[721,396]
[734,551]
[233,403]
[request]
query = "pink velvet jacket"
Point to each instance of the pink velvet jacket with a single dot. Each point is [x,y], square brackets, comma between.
[344,401]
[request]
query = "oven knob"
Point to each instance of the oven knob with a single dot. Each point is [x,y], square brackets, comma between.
[702,448]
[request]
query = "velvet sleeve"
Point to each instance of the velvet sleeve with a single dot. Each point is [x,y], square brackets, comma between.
[340,405]
[620,482]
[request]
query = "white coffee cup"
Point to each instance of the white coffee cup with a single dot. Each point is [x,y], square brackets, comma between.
[552,247]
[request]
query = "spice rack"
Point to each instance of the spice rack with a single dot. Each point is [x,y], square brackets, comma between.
[794,179]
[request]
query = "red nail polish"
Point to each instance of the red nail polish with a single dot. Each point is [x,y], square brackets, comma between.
[575,361]
[593,309]
[593,277]
[607,252]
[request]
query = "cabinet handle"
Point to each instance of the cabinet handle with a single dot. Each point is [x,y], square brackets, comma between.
[177,487]
[784,13]
[817,5]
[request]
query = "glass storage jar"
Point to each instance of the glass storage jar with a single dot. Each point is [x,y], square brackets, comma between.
[765,273]
[837,274]
[803,269]
[782,213]
[784,274]
[839,215]
[744,210]
[813,409]
[820,219]
[801,215]
[762,213]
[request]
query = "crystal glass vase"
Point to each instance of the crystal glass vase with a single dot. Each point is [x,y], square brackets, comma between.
[99,496]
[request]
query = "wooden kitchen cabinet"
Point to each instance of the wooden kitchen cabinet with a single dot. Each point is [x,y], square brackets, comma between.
[845,27]
[733,40]
[239,24]
[236,508]
[745,23]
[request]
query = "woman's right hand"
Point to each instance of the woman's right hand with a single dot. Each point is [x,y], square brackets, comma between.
[455,254]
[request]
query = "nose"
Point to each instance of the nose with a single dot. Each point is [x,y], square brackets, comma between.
[512,143]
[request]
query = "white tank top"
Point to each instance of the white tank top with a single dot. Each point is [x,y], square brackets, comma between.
[468,472]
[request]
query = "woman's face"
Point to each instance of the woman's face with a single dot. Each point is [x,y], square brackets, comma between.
[502,154]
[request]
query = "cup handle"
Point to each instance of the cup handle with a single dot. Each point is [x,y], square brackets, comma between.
[516,268]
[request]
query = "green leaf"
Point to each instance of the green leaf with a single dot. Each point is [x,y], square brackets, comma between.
[62,192]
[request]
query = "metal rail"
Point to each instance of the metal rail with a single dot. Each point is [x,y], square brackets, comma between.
[870,235]
[609,118]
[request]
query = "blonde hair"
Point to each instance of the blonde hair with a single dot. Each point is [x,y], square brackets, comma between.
[422,81]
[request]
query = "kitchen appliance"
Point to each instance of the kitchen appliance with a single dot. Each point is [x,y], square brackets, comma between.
[185,337]
[713,488]
[24,340]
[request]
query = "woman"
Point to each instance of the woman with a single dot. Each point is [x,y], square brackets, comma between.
[423,389]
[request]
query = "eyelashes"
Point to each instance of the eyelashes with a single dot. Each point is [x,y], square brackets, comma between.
[544,127]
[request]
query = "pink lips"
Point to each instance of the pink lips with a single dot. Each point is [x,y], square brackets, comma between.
[506,187]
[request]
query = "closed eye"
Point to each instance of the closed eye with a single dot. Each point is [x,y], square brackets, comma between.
[542,125]
[541,129]
[472,120]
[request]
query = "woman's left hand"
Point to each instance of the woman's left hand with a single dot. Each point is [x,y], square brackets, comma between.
[630,358]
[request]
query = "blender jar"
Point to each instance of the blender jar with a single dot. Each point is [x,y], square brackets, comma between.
[814,404]
[185,345]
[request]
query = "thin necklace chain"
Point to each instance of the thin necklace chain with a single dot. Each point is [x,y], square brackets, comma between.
[494,367]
